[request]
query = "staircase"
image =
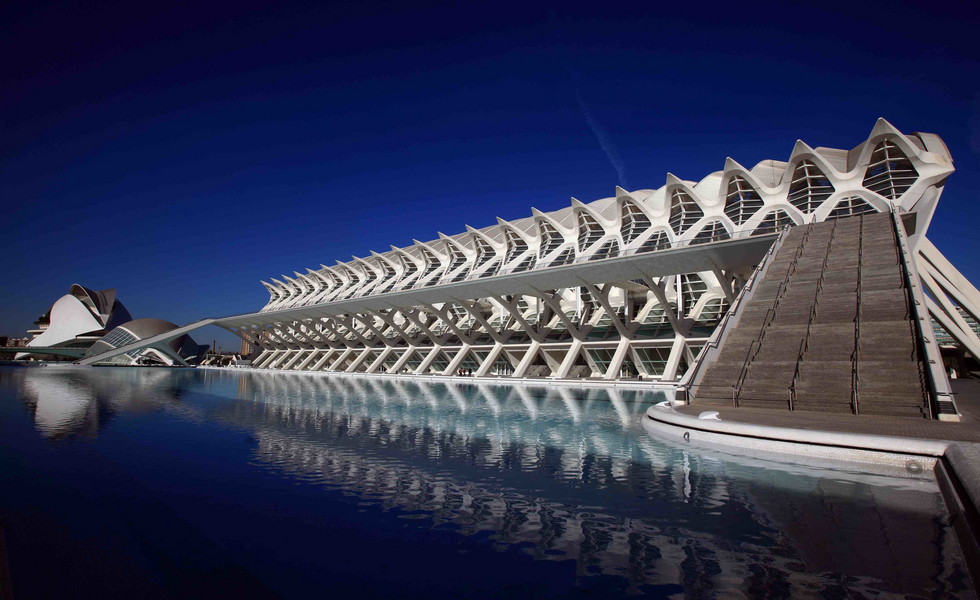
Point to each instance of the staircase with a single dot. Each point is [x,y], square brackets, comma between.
[829,329]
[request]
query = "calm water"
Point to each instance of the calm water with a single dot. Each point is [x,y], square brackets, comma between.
[157,483]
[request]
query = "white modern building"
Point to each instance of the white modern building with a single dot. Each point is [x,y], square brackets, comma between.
[630,286]
[76,320]
[85,323]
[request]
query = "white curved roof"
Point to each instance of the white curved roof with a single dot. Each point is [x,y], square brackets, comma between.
[69,318]
[82,311]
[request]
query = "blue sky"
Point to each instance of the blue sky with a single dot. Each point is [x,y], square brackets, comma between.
[181,152]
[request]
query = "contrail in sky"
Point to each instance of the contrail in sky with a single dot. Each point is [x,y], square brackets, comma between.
[603,137]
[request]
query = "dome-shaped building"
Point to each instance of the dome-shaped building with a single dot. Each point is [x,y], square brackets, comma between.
[181,350]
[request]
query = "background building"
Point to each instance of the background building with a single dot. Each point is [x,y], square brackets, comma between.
[75,321]
[85,323]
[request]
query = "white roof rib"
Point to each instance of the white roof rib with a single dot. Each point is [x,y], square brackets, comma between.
[770,178]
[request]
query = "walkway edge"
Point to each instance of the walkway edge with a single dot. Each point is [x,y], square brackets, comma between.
[652,386]
[957,482]
[872,453]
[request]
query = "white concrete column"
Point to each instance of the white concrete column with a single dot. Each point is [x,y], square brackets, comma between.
[553,363]
[265,358]
[622,349]
[400,363]
[349,324]
[446,316]
[570,358]
[429,358]
[263,355]
[293,360]
[723,281]
[413,317]
[673,361]
[361,356]
[521,369]
[496,337]
[281,358]
[554,303]
[389,319]
[376,364]
[661,295]
[343,356]
[944,310]
[457,360]
[491,358]
[602,296]
[511,308]
[959,286]
[377,332]
[309,359]
[318,366]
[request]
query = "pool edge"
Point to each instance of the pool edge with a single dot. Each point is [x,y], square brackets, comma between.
[955,465]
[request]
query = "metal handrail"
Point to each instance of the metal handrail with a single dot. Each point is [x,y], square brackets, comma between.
[856,357]
[926,376]
[805,342]
[740,380]
[736,304]
[771,313]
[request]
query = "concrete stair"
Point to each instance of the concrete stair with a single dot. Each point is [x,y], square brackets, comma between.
[837,291]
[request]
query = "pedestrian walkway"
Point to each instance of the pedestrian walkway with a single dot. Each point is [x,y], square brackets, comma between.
[967,430]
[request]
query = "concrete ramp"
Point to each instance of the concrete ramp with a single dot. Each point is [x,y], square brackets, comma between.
[150,342]
[55,351]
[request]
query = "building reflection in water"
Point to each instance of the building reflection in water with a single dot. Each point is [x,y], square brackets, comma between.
[565,473]
[558,473]
[71,402]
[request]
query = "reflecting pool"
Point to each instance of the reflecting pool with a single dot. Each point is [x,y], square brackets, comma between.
[178,483]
